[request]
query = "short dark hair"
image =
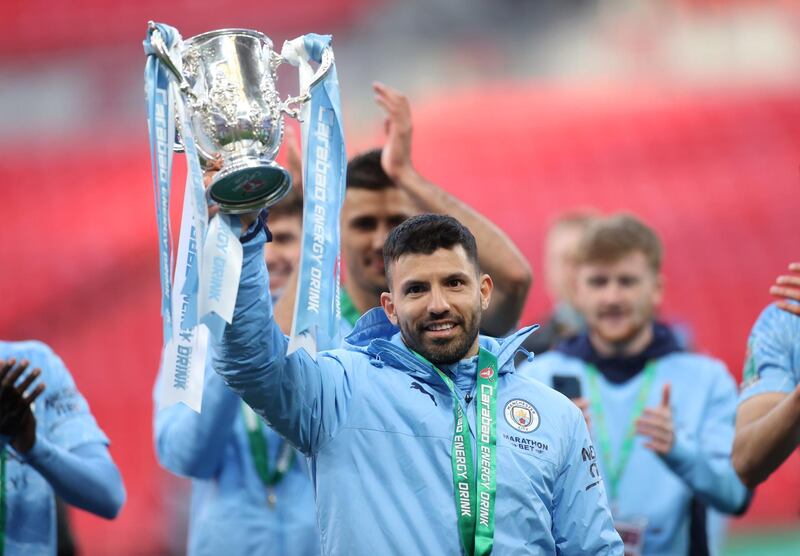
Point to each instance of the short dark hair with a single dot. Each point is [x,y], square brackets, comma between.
[424,234]
[364,171]
[607,240]
[291,205]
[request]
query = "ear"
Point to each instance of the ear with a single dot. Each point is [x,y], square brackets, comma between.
[486,290]
[578,295]
[658,290]
[388,307]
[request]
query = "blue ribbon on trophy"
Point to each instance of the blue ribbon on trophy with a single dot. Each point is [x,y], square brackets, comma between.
[184,354]
[317,310]
[161,127]
[184,343]
[222,85]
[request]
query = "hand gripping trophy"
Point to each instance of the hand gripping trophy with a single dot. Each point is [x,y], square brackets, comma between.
[214,97]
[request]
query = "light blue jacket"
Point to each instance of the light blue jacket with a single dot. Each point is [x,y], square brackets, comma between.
[377,426]
[70,456]
[773,354]
[660,489]
[229,513]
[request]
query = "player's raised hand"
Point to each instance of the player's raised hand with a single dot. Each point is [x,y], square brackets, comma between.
[208,175]
[396,158]
[656,422]
[787,287]
[16,398]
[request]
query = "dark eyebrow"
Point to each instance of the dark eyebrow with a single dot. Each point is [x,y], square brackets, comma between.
[457,276]
[409,283]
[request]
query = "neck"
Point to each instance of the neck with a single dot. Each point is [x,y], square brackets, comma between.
[473,351]
[363,299]
[626,348]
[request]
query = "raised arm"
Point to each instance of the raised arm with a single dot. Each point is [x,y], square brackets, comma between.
[192,444]
[767,432]
[499,256]
[304,400]
[84,476]
[582,522]
[768,417]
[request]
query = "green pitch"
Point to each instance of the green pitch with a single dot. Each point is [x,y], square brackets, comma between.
[764,543]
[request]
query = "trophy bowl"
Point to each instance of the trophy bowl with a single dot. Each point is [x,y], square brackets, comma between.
[236,115]
[227,79]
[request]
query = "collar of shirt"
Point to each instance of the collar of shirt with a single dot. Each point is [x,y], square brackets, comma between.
[618,369]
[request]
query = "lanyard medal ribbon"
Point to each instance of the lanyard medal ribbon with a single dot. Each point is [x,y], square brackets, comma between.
[259,450]
[616,469]
[475,493]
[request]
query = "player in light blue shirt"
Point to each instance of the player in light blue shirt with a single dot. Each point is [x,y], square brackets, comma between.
[662,418]
[251,491]
[49,444]
[768,417]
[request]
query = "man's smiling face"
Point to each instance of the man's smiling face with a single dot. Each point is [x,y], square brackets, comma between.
[437,299]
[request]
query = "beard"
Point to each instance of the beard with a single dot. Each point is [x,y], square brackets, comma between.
[619,338]
[443,351]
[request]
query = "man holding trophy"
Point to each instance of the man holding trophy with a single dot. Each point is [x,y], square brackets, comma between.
[381,421]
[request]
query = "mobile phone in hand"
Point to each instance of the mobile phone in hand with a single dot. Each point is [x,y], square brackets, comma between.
[569,385]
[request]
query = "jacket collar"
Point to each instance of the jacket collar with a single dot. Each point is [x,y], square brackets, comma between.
[377,337]
[618,369]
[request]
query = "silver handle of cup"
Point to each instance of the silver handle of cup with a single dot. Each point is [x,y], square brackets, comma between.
[162,52]
[294,111]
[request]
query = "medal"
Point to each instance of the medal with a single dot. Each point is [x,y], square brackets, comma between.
[260,452]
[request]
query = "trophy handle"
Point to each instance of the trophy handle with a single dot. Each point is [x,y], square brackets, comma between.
[162,53]
[294,111]
[207,160]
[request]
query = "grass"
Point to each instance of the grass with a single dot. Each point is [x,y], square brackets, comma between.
[779,542]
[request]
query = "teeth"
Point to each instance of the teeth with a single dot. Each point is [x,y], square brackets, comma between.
[445,326]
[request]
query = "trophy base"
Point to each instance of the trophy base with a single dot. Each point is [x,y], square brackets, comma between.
[249,186]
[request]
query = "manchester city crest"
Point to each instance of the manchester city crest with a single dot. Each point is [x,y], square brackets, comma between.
[521,415]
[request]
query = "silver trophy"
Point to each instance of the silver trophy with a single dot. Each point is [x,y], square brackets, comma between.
[227,78]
